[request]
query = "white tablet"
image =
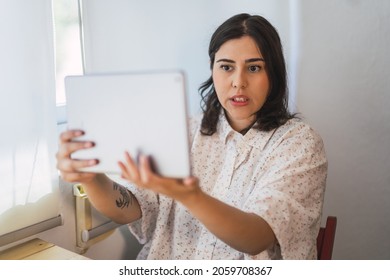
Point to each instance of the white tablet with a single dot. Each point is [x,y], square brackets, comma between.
[135,112]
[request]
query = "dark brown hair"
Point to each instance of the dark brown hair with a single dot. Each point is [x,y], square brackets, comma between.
[274,112]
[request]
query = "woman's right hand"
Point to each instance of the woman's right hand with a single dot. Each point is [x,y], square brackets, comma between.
[68,167]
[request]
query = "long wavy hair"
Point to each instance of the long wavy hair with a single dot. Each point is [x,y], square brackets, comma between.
[274,112]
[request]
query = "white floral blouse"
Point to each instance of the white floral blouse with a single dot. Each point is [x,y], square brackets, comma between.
[279,175]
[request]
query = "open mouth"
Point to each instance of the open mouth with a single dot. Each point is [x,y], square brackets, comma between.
[239,99]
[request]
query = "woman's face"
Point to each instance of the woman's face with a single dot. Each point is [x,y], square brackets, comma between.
[240,80]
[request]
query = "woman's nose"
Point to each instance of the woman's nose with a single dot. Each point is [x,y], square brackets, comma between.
[239,80]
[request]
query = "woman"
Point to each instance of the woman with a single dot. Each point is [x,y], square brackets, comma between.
[258,172]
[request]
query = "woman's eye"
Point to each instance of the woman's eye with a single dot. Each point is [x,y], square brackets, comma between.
[226,67]
[254,68]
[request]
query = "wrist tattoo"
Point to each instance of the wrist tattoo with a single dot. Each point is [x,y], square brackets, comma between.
[126,198]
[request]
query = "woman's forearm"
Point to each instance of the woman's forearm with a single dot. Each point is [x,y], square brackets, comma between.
[112,199]
[245,232]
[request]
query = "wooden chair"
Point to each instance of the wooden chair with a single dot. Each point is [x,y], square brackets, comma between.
[325,239]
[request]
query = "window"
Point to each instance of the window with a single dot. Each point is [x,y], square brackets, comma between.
[68,48]
[29,194]
[68,43]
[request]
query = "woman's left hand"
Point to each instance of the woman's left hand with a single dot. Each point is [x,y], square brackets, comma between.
[143,176]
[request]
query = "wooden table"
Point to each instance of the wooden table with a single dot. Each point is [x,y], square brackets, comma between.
[37,249]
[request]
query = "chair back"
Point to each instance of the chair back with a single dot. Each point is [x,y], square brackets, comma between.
[325,239]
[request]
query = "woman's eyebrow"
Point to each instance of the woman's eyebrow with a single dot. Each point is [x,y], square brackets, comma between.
[254,59]
[226,60]
[249,60]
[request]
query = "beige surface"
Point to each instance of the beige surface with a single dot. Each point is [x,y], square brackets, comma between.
[38,249]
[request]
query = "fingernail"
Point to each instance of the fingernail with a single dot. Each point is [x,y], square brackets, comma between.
[89,144]
[144,158]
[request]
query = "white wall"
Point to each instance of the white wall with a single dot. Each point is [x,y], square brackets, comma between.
[132,35]
[344,91]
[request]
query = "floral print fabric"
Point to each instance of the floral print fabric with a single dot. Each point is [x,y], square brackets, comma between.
[279,175]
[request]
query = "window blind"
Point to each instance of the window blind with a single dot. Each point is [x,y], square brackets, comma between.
[29,192]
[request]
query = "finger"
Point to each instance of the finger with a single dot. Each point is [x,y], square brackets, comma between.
[190,181]
[67,148]
[129,168]
[68,135]
[144,169]
[77,177]
[132,167]
[73,165]
[124,173]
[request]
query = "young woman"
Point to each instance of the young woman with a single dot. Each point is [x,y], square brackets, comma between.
[258,172]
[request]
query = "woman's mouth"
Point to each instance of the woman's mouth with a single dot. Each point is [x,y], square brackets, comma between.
[239,100]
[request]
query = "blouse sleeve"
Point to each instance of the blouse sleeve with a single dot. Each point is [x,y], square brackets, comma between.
[289,192]
[144,227]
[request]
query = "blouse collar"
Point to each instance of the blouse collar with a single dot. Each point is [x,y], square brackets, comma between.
[254,137]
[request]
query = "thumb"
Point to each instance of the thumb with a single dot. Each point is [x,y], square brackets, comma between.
[190,181]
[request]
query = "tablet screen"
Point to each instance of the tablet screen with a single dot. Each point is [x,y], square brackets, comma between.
[135,112]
